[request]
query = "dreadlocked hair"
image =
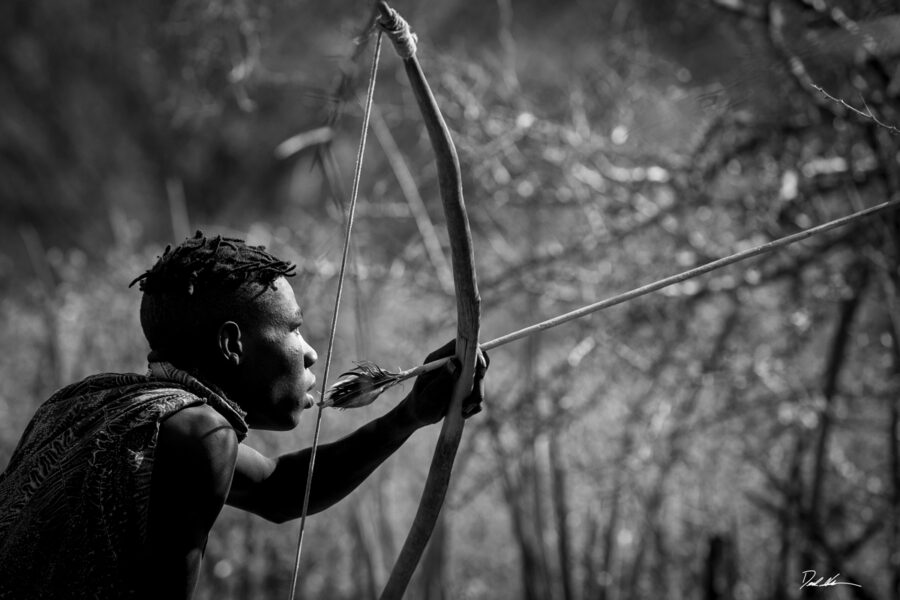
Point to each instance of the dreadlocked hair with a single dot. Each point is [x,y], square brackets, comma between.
[198,285]
[203,264]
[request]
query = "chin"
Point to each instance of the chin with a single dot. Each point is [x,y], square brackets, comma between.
[280,422]
[292,421]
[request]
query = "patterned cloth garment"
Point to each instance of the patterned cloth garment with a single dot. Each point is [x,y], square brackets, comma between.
[75,495]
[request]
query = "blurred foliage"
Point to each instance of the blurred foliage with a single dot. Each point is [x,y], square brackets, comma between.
[711,441]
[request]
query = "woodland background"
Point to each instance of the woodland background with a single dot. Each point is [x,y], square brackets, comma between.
[711,441]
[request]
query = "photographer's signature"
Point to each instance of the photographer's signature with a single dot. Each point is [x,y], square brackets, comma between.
[810,580]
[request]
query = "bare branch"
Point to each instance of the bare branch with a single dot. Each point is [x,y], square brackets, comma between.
[414,200]
[867,114]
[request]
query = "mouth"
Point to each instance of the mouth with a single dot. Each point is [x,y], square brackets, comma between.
[308,399]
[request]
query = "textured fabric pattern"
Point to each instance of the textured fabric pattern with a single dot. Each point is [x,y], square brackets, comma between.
[74,497]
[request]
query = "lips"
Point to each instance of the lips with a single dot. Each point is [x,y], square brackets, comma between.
[309,401]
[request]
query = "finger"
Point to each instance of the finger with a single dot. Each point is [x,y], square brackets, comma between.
[472,409]
[474,399]
[479,390]
[442,377]
[482,364]
[483,361]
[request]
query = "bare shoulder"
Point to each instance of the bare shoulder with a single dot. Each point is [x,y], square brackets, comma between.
[198,442]
[195,423]
[192,471]
[194,458]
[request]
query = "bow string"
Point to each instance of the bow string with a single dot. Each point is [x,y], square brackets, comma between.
[351,211]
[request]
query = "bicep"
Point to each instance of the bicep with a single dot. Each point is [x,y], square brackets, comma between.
[251,471]
[193,467]
[192,471]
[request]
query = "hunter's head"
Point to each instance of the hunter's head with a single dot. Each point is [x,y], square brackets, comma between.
[225,311]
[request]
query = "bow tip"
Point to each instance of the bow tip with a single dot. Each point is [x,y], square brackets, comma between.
[383,8]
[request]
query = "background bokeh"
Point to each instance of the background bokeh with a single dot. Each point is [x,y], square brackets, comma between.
[714,440]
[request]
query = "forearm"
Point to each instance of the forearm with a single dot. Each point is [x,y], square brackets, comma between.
[340,467]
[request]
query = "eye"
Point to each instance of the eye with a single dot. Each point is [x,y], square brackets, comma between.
[297,322]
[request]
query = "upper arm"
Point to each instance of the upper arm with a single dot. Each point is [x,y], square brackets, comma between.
[251,471]
[192,472]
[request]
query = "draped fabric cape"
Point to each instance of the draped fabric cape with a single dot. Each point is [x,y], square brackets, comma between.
[74,498]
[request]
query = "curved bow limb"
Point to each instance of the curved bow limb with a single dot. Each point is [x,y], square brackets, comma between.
[468,305]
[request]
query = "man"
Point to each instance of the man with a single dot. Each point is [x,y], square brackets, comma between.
[117,480]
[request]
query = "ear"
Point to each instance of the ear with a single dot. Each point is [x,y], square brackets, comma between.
[229,344]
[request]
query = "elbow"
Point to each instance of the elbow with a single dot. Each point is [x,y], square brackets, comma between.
[267,512]
[281,517]
[273,516]
[278,519]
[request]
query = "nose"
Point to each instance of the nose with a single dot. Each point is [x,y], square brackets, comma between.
[309,356]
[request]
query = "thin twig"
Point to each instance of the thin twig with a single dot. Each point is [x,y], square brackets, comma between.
[867,114]
[414,200]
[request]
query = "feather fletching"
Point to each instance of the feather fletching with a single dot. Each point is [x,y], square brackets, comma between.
[360,386]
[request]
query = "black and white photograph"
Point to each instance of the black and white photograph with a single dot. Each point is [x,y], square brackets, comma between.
[500,300]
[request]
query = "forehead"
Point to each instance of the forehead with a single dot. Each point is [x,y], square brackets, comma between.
[277,303]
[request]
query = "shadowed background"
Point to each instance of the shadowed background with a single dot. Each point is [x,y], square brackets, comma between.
[711,441]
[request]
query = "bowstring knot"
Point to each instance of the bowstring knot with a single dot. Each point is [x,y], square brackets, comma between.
[398,30]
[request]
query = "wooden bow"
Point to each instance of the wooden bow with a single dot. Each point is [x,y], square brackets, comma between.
[468,305]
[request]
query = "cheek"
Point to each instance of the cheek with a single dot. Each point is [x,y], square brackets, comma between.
[288,365]
[294,354]
[269,368]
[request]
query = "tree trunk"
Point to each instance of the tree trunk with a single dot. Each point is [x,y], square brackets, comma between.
[561,514]
[720,571]
[367,575]
[671,453]
[534,475]
[610,532]
[836,358]
[590,584]
[889,286]
[636,414]
[247,585]
[533,585]
[894,462]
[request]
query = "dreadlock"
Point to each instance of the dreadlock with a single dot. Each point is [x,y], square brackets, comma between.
[198,285]
[219,263]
